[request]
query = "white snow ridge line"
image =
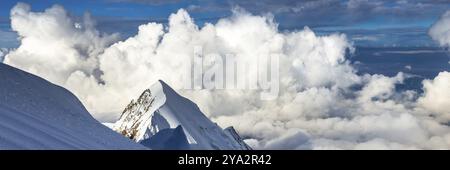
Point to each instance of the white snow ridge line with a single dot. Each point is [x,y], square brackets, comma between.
[162,119]
[36,114]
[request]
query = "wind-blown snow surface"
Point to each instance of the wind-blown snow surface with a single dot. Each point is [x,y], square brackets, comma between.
[36,114]
[323,103]
[162,119]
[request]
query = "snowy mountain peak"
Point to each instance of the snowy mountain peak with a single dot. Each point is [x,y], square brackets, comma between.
[137,116]
[161,114]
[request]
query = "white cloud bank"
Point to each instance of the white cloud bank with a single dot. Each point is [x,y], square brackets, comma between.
[437,92]
[440,31]
[437,96]
[322,104]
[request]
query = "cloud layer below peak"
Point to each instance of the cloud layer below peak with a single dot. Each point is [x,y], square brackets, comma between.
[323,103]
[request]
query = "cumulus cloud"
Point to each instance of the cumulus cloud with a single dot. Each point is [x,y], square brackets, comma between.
[440,31]
[322,104]
[436,96]
[54,48]
[408,67]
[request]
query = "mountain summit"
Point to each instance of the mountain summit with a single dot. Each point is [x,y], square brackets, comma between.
[162,119]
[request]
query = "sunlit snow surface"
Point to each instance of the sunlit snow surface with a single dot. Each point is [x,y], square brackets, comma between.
[161,114]
[36,114]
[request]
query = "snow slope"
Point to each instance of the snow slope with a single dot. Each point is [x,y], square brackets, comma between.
[36,114]
[167,139]
[160,109]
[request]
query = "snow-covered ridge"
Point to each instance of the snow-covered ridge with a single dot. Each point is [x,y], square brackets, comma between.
[36,114]
[234,135]
[162,113]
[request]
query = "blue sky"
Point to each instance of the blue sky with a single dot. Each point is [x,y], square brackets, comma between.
[366,22]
